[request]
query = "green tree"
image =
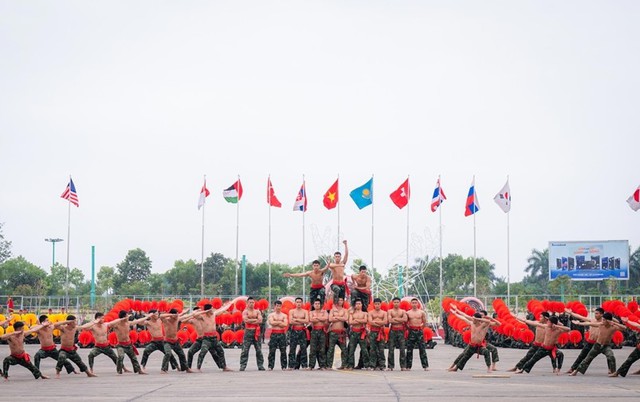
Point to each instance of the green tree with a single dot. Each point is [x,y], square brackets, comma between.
[634,271]
[5,246]
[57,279]
[18,271]
[537,270]
[183,278]
[136,267]
[106,280]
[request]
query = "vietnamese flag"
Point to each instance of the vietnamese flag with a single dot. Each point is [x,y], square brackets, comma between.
[330,199]
[400,197]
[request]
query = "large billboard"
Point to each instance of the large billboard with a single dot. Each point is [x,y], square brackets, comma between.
[589,260]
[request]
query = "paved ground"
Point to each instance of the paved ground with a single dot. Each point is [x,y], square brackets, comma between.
[253,385]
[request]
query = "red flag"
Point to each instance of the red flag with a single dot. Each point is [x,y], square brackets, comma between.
[330,199]
[400,197]
[272,200]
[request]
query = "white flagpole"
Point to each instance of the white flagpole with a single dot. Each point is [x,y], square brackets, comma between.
[237,234]
[406,267]
[372,266]
[440,229]
[338,192]
[508,251]
[304,211]
[202,249]
[269,200]
[66,281]
[475,282]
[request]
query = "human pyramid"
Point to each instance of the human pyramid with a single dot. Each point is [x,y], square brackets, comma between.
[346,328]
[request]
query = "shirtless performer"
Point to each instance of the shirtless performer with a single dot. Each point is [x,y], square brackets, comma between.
[361,288]
[417,320]
[68,346]
[298,335]
[121,327]
[337,334]
[493,351]
[171,341]
[548,348]
[209,340]
[377,320]
[397,319]
[358,334]
[603,343]
[99,330]
[252,320]
[339,285]
[47,345]
[154,326]
[316,275]
[479,328]
[278,322]
[319,319]
[593,335]
[633,357]
[15,340]
[537,341]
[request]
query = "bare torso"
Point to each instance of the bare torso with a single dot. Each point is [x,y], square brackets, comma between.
[417,318]
[45,335]
[337,317]
[277,320]
[99,332]
[154,326]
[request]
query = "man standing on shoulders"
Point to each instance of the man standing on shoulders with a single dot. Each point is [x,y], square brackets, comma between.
[316,275]
[361,288]
[278,322]
[339,285]
[417,320]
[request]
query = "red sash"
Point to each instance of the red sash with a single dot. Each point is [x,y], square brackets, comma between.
[128,343]
[23,356]
[415,328]
[537,344]
[171,341]
[553,349]
[344,285]
[361,331]
[213,334]
[158,339]
[478,346]
[71,349]
[302,328]
[318,327]
[102,345]
[379,331]
[341,337]
[591,341]
[278,331]
[253,327]
[316,287]
[48,348]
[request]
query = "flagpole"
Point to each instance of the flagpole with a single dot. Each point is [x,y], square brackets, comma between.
[406,267]
[202,249]
[338,193]
[304,211]
[508,259]
[66,281]
[475,283]
[237,235]
[269,199]
[440,230]
[372,266]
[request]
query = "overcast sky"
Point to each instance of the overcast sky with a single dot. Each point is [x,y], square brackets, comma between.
[138,100]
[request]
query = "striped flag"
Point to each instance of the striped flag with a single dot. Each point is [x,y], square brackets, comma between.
[233,194]
[204,193]
[301,199]
[70,193]
[438,197]
[472,206]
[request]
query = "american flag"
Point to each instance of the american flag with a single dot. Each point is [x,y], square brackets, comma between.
[70,194]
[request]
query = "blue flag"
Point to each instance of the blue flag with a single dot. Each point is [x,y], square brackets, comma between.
[363,195]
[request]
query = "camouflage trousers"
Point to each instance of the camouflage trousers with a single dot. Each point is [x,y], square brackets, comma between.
[338,292]
[376,350]
[317,348]
[298,338]
[416,338]
[357,339]
[315,294]
[211,345]
[248,341]
[278,342]
[466,354]
[624,368]
[12,361]
[170,347]
[595,351]
[396,340]
[70,355]
[364,297]
[556,361]
[54,354]
[127,350]
[341,341]
[107,351]
[583,353]
[152,347]
[195,348]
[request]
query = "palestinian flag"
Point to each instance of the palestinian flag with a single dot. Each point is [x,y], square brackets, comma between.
[233,194]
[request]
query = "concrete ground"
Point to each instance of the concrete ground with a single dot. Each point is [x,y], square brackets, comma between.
[252,385]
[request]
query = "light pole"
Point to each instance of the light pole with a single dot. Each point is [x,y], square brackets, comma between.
[53,243]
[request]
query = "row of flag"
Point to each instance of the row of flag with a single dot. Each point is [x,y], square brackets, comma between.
[362,196]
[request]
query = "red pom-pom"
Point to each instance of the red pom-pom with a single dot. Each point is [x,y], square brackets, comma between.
[527,336]
[163,306]
[183,337]
[177,304]
[133,336]
[508,329]
[617,338]
[405,305]
[466,336]
[346,305]
[144,337]
[113,339]
[239,335]
[146,306]
[193,336]
[633,306]
[85,338]
[384,306]
[137,305]
[307,306]
[228,336]
[386,333]
[187,327]
[236,317]
[563,339]
[216,302]
[202,302]
[427,333]
[241,305]
[575,336]
[446,304]
[328,305]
